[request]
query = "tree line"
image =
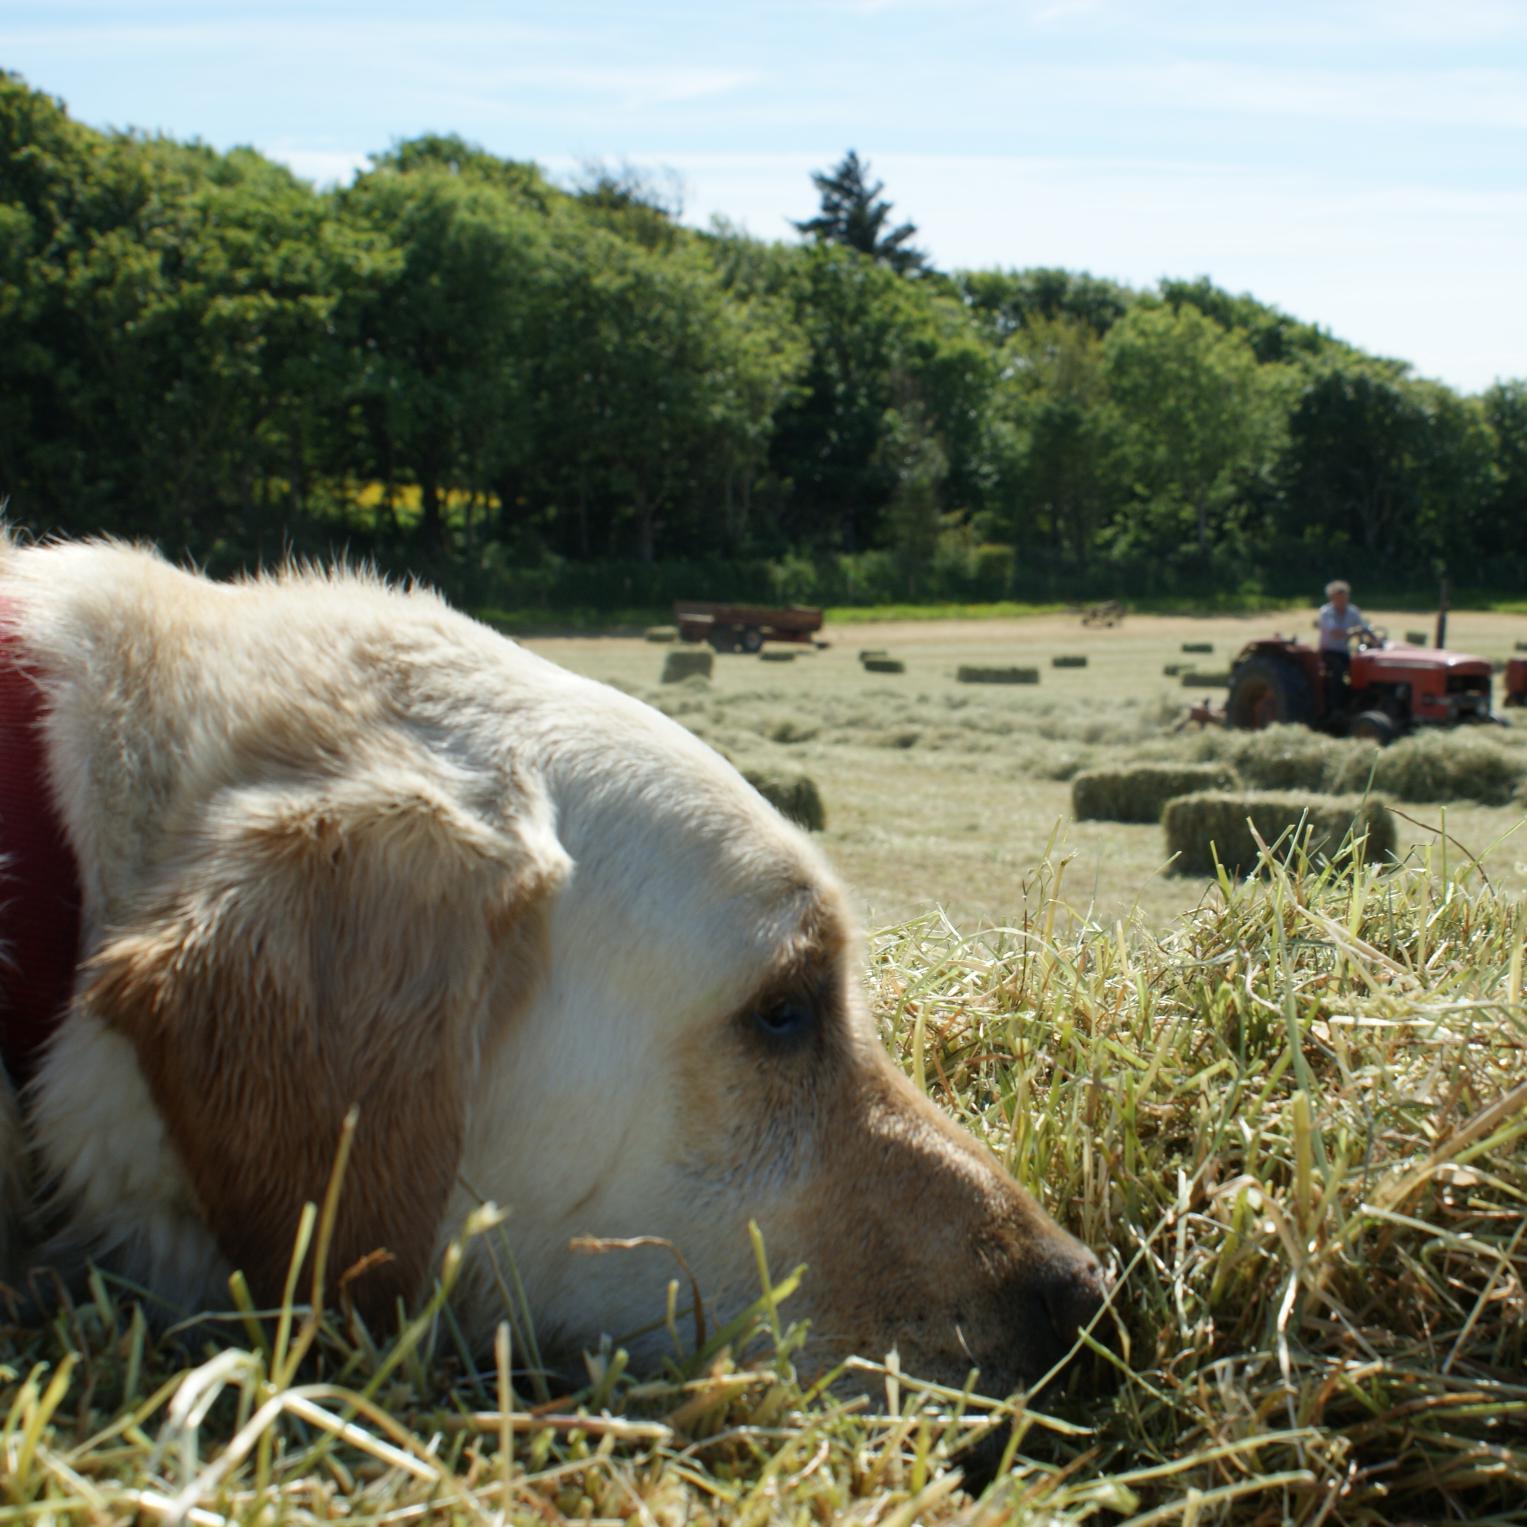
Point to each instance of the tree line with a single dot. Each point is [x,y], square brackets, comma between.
[538,394]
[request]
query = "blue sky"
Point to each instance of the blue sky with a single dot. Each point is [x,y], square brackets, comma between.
[1362,165]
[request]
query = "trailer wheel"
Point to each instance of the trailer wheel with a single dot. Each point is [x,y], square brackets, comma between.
[1265,690]
[752,639]
[1374,726]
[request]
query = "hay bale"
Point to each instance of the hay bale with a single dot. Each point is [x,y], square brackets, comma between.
[661,634]
[1220,822]
[792,795]
[968,674]
[1069,660]
[1520,647]
[1138,794]
[1198,646]
[766,656]
[686,663]
[884,665]
[1196,679]
[1295,758]
[1417,638]
[1434,765]
[1171,670]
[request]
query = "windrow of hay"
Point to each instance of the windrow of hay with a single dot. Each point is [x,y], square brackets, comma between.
[1138,792]
[792,794]
[969,673]
[1294,1125]
[687,663]
[1432,764]
[1230,828]
[1437,765]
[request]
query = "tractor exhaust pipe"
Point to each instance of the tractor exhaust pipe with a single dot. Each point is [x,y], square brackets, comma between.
[1442,614]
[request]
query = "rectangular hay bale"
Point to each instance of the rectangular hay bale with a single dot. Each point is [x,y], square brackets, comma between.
[1069,660]
[687,663]
[1139,794]
[1198,646]
[971,674]
[1220,822]
[1194,679]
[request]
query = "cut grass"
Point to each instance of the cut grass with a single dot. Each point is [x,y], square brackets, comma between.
[1294,1122]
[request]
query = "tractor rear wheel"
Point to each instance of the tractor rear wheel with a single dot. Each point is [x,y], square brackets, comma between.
[1374,726]
[1266,690]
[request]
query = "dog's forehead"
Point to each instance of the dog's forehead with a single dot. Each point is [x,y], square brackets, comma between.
[673,845]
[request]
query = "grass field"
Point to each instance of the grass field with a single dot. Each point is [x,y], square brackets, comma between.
[1292,1116]
[949,795]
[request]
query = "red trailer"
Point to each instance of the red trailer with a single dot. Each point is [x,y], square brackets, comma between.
[744,627]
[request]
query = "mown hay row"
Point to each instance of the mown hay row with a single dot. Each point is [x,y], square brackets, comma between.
[1138,794]
[1435,765]
[1226,824]
[1069,660]
[687,663]
[792,795]
[971,674]
[1294,758]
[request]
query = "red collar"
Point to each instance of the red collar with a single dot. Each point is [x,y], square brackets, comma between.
[39,881]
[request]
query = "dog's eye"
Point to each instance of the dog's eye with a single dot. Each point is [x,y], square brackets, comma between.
[790,1018]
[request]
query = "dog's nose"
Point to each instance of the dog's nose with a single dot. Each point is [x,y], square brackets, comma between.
[1074,1292]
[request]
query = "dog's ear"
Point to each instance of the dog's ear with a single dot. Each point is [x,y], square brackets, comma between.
[359,944]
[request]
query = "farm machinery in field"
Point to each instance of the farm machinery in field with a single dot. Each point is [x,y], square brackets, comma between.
[1392,689]
[745,627]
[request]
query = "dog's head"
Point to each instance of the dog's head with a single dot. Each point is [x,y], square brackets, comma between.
[564,958]
[699,1054]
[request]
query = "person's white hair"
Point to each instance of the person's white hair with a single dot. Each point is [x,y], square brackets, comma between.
[1337,586]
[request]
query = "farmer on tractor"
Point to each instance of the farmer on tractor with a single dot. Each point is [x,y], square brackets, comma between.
[1339,619]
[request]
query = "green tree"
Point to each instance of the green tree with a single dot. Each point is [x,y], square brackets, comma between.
[853,213]
[1398,469]
[444,386]
[1196,415]
[1062,486]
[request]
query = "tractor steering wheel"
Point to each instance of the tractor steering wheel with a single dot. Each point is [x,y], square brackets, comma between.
[1373,640]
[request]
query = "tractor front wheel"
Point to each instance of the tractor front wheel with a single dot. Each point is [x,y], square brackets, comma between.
[1266,690]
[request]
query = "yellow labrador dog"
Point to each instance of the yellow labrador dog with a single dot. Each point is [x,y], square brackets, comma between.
[330,844]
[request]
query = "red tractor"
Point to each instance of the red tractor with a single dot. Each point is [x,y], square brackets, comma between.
[1392,688]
